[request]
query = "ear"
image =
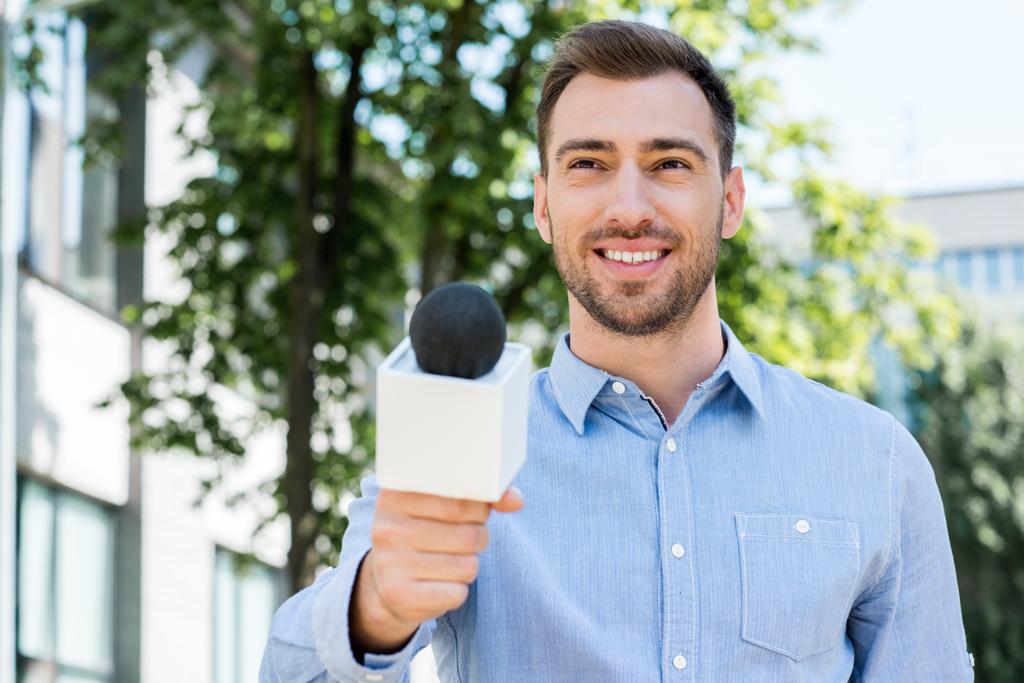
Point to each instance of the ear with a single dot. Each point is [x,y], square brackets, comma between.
[733,196]
[540,207]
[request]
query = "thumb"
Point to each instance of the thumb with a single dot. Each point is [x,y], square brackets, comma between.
[510,502]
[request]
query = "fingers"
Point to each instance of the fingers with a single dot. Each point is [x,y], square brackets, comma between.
[442,508]
[512,501]
[427,506]
[421,600]
[448,568]
[428,535]
[424,550]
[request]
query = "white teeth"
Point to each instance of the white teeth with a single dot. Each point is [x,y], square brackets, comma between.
[633,256]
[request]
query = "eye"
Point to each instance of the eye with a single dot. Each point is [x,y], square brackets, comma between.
[576,164]
[676,164]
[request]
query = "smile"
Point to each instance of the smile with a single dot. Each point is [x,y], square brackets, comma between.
[632,256]
[640,264]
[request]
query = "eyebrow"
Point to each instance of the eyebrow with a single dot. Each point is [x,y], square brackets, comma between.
[648,146]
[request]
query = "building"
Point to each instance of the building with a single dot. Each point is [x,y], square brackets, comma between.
[980,238]
[107,569]
[979,234]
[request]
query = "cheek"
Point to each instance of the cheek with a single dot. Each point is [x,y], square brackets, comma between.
[574,212]
[686,211]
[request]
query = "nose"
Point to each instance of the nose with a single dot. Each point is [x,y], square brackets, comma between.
[629,202]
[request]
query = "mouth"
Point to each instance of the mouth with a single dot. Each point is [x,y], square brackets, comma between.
[637,263]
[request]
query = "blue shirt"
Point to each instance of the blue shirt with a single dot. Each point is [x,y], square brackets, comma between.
[778,530]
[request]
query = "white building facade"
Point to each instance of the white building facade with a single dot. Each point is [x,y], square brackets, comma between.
[108,570]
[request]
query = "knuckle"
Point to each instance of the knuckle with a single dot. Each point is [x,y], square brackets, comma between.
[455,508]
[388,499]
[384,533]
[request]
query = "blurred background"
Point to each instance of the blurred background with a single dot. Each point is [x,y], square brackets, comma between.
[216,217]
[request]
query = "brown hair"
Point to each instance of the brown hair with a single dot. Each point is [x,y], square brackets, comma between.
[626,50]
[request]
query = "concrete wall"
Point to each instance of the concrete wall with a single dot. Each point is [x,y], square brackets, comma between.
[70,358]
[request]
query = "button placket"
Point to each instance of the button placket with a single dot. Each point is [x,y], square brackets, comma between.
[679,583]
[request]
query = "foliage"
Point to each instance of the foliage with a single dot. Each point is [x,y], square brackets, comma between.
[970,416]
[368,151]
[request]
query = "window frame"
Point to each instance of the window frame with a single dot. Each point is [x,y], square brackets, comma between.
[54,668]
[280,592]
[63,281]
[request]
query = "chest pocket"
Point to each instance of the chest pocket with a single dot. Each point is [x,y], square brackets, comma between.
[799,573]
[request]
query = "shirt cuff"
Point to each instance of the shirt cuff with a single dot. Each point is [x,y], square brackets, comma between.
[332,638]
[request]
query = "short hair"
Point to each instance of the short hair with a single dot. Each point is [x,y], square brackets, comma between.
[627,50]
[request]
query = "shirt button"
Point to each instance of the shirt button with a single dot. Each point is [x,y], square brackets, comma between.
[375,677]
[677,550]
[802,526]
[671,445]
[679,662]
[618,387]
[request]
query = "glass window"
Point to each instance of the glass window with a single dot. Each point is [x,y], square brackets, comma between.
[35,558]
[963,269]
[246,595]
[1018,266]
[65,586]
[993,278]
[71,207]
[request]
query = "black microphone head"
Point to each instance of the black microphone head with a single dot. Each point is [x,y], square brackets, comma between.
[458,330]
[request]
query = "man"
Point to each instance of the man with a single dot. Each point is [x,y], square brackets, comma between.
[694,513]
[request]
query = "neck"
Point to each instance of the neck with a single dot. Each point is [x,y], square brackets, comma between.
[667,366]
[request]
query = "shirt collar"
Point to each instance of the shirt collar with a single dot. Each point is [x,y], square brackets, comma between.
[576,384]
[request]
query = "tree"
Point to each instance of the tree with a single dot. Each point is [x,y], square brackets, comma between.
[970,415]
[368,151]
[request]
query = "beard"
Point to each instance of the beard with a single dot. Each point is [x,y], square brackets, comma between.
[629,310]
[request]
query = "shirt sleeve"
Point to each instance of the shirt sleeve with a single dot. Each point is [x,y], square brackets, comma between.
[309,636]
[908,625]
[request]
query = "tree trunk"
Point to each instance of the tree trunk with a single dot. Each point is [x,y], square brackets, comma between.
[306,297]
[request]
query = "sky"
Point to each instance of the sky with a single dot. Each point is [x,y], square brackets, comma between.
[924,96]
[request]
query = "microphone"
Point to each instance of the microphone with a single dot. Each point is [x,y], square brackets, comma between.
[452,400]
[458,330]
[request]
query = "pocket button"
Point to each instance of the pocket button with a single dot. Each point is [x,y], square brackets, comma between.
[802,526]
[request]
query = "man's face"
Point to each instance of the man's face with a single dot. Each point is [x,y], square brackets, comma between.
[633,202]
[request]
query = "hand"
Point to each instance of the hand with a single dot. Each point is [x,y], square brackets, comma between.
[424,556]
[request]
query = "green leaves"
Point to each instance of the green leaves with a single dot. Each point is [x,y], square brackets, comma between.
[969,412]
[326,218]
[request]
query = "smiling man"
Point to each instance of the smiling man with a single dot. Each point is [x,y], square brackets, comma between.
[693,513]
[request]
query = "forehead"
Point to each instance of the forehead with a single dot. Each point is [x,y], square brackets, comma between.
[667,105]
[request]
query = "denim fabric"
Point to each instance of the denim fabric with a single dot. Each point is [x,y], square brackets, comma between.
[778,530]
